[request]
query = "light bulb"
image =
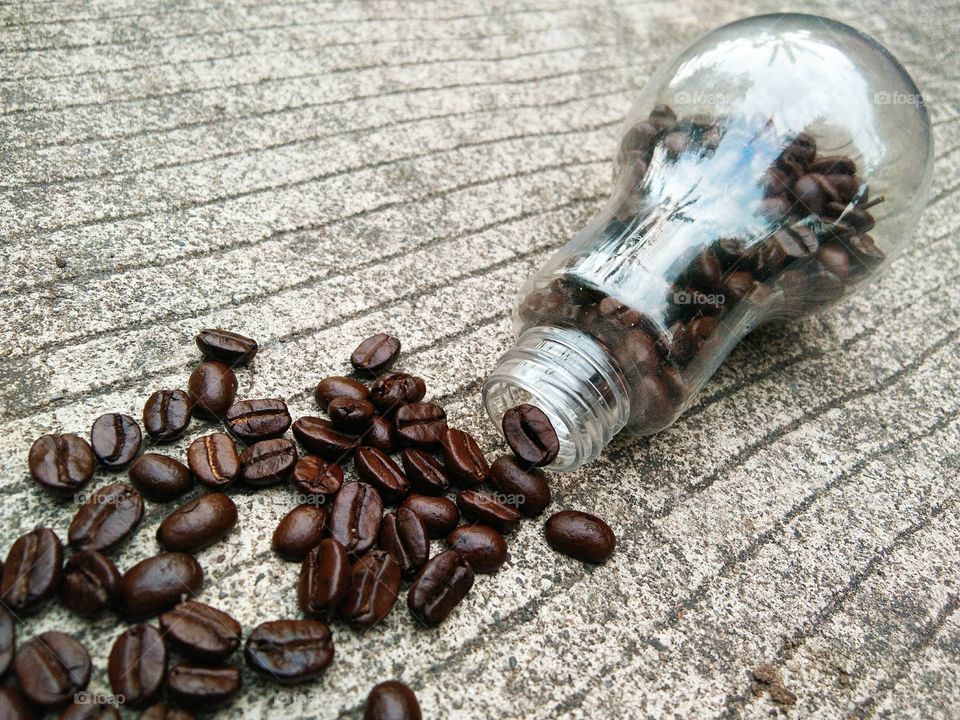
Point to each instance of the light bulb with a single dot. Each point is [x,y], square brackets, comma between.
[769,169]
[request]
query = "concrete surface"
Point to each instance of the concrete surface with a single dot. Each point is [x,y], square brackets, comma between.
[312,172]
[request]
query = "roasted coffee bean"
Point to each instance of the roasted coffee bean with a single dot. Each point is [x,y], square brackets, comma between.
[89,711]
[138,664]
[374,587]
[318,436]
[349,415]
[488,510]
[335,387]
[737,285]
[226,346]
[253,420]
[797,242]
[530,434]
[442,583]
[439,514]
[166,414]
[204,688]
[61,464]
[290,651]
[833,164]
[115,440]
[107,518]
[865,250]
[200,631]
[160,478]
[91,583]
[8,640]
[396,389]
[403,535]
[300,531]
[391,700]
[463,458]
[158,583]
[212,389]
[268,462]
[324,578]
[380,434]
[213,460]
[354,519]
[421,423]
[198,524]
[527,486]
[51,668]
[377,468]
[834,259]
[376,353]
[580,535]
[652,397]
[425,472]
[14,706]
[705,271]
[482,546]
[316,477]
[32,570]
[162,711]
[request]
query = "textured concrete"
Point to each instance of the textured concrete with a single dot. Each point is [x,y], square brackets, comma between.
[311,172]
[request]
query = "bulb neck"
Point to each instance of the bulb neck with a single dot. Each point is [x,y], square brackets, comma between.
[571,378]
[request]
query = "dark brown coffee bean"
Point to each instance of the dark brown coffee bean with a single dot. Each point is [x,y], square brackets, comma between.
[439,587]
[61,464]
[377,468]
[212,389]
[403,535]
[315,477]
[705,271]
[32,570]
[865,251]
[376,353]
[349,415]
[834,164]
[374,587]
[652,398]
[439,514]
[380,434]
[14,706]
[107,518]
[300,531]
[834,259]
[463,458]
[768,260]
[290,651]
[198,524]
[527,486]
[160,478]
[160,582]
[204,688]
[200,631]
[396,389]
[355,517]
[162,711]
[580,535]
[138,664]
[482,546]
[530,434]
[253,420]
[268,462]
[89,711]
[213,460]
[737,285]
[8,640]
[421,423]
[91,583]
[115,440]
[324,578]
[425,472]
[226,346]
[335,387]
[166,414]
[489,510]
[392,700]
[318,436]
[51,668]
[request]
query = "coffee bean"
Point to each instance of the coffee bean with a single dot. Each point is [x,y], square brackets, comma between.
[14,706]
[300,531]
[89,711]
[51,668]
[463,458]
[138,664]
[349,415]
[834,259]
[439,587]
[482,546]
[200,631]
[91,583]
[32,570]
[396,389]
[335,387]
[377,468]
[61,464]
[488,510]
[380,434]
[374,586]
[527,486]
[580,535]
[213,460]
[253,420]
[324,578]
[198,524]
[355,517]
[205,688]
[421,423]
[530,434]
[737,285]
[107,518]
[439,514]
[376,353]
[268,462]
[833,164]
[865,250]
[158,583]
[226,346]
[8,640]
[318,436]
[160,478]
[403,535]
[315,477]
[115,440]
[392,700]
[212,389]
[705,271]
[290,651]
[167,414]
[162,711]
[425,472]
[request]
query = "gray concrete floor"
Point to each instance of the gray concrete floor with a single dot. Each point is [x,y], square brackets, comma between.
[312,172]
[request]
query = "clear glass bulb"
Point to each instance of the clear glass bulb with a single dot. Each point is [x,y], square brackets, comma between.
[765,172]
